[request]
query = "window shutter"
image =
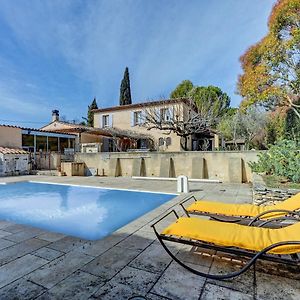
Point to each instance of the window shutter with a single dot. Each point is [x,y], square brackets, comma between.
[132,119]
[171,113]
[143,120]
[168,141]
[157,114]
[101,122]
[110,120]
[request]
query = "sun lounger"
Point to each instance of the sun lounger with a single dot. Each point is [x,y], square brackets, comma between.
[237,212]
[278,245]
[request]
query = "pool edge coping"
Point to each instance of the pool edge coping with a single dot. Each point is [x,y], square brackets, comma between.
[100,187]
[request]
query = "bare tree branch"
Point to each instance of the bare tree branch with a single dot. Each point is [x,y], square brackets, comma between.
[182,118]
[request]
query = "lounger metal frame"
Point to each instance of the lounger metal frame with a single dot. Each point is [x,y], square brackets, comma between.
[291,260]
[289,215]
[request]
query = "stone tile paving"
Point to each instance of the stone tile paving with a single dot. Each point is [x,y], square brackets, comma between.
[178,283]
[22,289]
[4,233]
[35,264]
[15,251]
[48,253]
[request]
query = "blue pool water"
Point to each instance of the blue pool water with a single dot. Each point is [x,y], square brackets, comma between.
[90,213]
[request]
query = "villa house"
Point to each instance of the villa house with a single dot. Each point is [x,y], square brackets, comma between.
[91,139]
[132,118]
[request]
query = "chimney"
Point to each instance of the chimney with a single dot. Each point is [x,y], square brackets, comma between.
[55,115]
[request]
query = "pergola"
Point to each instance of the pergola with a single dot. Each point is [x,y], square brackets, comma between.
[128,139]
[122,139]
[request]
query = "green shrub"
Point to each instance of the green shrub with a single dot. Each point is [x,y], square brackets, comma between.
[282,159]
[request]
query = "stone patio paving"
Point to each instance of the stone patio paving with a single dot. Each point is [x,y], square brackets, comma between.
[35,264]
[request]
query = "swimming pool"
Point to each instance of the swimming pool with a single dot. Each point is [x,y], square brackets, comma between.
[85,212]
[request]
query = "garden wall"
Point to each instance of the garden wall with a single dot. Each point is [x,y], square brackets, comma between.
[14,164]
[227,166]
[47,161]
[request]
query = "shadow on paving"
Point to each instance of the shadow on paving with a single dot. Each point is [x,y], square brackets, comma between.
[124,265]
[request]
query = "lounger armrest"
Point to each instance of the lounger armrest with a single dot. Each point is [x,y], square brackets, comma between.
[286,211]
[280,219]
[186,200]
[170,212]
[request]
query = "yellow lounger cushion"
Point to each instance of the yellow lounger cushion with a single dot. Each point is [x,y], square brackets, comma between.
[244,210]
[235,235]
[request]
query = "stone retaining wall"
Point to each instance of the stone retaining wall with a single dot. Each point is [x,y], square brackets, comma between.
[227,166]
[263,195]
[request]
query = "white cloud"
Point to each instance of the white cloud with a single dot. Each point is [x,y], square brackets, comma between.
[162,43]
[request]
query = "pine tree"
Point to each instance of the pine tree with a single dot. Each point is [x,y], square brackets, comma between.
[90,114]
[125,94]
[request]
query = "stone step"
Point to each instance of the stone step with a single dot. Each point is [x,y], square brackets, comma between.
[47,172]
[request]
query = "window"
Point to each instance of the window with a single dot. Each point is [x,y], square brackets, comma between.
[63,143]
[27,140]
[165,114]
[41,143]
[160,142]
[142,144]
[52,143]
[105,121]
[168,141]
[137,118]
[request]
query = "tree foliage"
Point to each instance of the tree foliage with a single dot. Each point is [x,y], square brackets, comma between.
[210,101]
[282,123]
[125,93]
[248,125]
[182,90]
[292,126]
[90,114]
[282,159]
[271,68]
[275,128]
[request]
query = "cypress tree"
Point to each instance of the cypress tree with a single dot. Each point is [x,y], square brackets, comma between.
[125,94]
[90,114]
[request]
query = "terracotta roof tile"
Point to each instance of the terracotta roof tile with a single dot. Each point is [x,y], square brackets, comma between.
[29,129]
[5,150]
[143,104]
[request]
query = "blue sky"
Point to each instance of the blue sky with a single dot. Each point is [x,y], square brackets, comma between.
[60,54]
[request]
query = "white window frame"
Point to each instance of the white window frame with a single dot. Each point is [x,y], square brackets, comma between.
[162,114]
[166,114]
[105,121]
[137,118]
